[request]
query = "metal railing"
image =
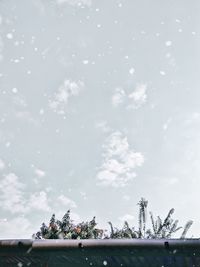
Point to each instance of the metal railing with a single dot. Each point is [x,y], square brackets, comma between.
[105,252]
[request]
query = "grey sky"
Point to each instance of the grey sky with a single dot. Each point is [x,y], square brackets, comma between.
[99,106]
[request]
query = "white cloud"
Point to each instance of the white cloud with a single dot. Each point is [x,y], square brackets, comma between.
[131,100]
[14,200]
[118,97]
[11,194]
[60,99]
[127,217]
[103,126]
[119,161]
[76,3]
[40,173]
[67,202]
[2,164]
[19,227]
[39,201]
[138,96]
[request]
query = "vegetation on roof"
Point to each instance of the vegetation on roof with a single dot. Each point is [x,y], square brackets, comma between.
[67,229]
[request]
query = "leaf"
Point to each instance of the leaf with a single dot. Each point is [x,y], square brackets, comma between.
[186,228]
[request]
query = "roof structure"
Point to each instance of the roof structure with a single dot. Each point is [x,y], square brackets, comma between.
[106,252]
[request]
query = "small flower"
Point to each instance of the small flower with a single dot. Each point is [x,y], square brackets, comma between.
[77,229]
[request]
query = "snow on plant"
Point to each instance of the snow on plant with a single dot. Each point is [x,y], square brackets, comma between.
[66,229]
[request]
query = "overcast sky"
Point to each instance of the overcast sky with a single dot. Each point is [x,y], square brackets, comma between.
[99,106]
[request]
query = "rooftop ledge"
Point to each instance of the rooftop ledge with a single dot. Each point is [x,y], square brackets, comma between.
[104,252]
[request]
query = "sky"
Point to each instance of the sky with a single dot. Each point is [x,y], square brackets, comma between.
[99,106]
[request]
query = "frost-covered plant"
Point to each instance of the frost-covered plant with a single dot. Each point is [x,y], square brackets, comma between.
[66,229]
[125,232]
[159,228]
[142,217]
[167,227]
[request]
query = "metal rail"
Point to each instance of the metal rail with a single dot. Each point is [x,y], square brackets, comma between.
[110,252]
[98,243]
